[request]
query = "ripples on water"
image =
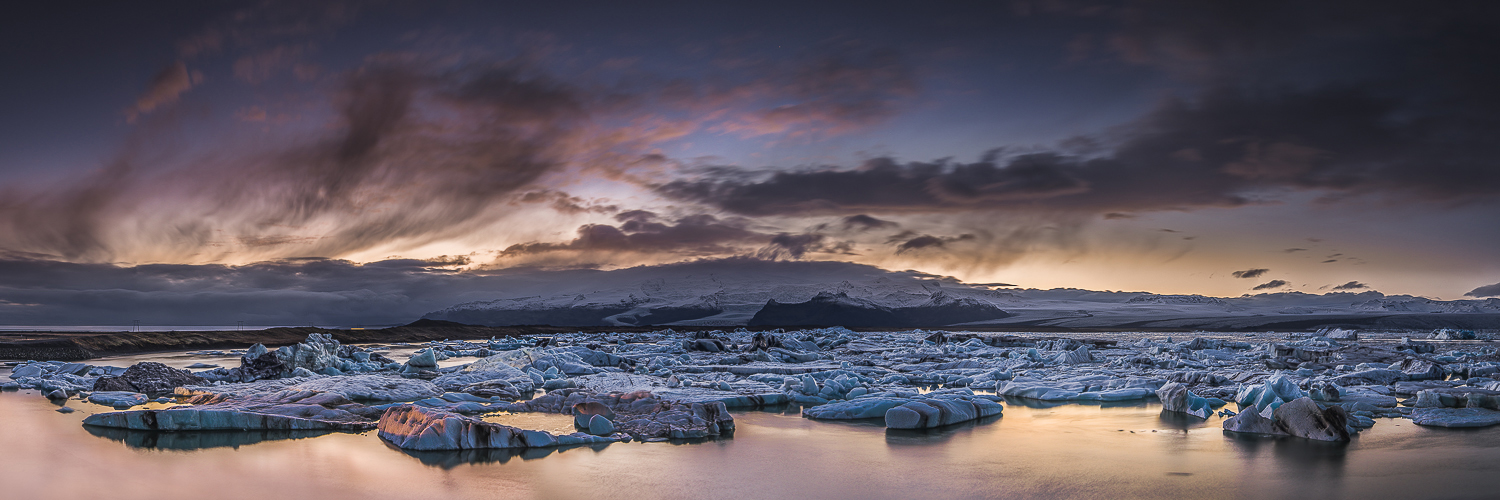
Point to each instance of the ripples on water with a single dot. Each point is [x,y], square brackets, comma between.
[1034,450]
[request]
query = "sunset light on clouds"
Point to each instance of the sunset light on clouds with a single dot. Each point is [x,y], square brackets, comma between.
[1049,144]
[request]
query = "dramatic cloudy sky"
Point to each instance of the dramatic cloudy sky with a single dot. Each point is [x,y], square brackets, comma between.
[1139,145]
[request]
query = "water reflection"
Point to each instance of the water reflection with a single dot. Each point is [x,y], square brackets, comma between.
[1062,451]
[1181,421]
[197,440]
[936,435]
[1039,404]
[1301,460]
[1034,403]
[1139,403]
[451,459]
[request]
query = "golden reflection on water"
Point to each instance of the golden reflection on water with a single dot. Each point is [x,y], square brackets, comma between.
[1068,451]
[553,423]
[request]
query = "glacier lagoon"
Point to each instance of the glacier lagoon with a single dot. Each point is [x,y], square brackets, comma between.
[1066,451]
[1034,450]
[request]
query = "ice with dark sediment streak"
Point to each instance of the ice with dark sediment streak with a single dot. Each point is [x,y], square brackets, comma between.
[424,429]
[640,414]
[290,410]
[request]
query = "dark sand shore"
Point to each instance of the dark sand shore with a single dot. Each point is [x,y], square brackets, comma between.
[73,346]
[76,346]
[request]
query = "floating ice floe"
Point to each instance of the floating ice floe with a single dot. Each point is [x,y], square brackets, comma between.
[940,410]
[424,429]
[1301,417]
[1176,397]
[668,384]
[366,387]
[641,414]
[290,410]
[319,354]
[118,399]
[53,376]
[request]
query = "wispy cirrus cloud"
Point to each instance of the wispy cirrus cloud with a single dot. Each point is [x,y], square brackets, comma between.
[164,89]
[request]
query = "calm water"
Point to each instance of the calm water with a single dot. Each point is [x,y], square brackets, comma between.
[1066,451]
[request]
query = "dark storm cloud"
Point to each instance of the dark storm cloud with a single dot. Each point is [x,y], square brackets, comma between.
[908,241]
[1227,148]
[1485,291]
[641,231]
[505,137]
[67,222]
[423,150]
[862,222]
[1271,284]
[1388,100]
[385,174]
[883,184]
[794,246]
[702,235]
[1352,285]
[1250,273]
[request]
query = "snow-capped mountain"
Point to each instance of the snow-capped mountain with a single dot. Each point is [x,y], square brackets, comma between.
[701,294]
[737,292]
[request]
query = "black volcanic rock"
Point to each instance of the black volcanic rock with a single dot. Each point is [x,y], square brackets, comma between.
[150,378]
[763,342]
[840,309]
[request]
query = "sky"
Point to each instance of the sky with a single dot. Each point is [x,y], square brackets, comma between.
[1165,146]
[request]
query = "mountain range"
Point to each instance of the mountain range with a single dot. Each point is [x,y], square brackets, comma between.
[768,293]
